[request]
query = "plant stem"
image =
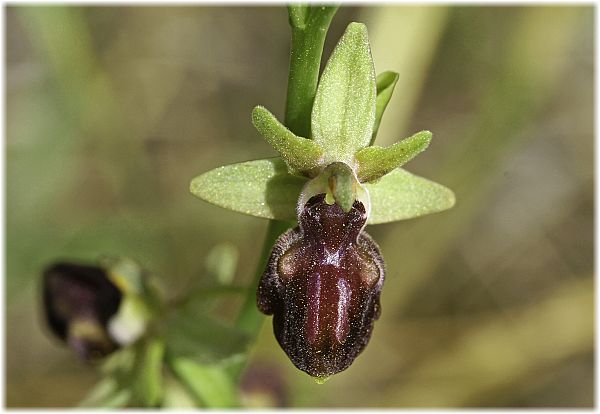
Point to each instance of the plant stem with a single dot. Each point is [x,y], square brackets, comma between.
[309,28]
[250,319]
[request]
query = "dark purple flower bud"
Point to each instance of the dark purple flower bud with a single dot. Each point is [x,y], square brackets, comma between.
[79,301]
[322,286]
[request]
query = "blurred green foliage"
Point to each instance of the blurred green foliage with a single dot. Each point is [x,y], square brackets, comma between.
[112,110]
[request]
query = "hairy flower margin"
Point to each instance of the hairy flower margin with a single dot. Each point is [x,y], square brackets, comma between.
[323,278]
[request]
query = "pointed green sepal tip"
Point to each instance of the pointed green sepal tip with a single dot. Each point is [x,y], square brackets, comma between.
[343,112]
[386,82]
[374,162]
[302,156]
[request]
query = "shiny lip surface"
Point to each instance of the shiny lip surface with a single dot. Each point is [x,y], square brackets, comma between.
[321,288]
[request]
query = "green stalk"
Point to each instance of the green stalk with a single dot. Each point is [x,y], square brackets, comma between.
[250,319]
[309,28]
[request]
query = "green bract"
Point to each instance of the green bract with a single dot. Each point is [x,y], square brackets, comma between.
[339,158]
[386,82]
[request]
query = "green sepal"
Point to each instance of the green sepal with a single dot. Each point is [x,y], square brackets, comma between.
[125,273]
[343,113]
[141,299]
[386,82]
[401,195]
[374,162]
[302,156]
[261,188]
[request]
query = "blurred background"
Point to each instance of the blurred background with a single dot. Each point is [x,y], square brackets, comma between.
[112,110]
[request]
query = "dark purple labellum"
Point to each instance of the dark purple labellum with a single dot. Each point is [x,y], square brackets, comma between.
[322,286]
[79,300]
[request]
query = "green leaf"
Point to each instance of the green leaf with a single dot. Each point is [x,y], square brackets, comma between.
[261,188]
[106,394]
[301,155]
[343,113]
[176,395]
[386,82]
[147,375]
[401,195]
[210,383]
[114,390]
[374,162]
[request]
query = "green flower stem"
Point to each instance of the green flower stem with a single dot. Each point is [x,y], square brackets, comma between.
[249,319]
[309,28]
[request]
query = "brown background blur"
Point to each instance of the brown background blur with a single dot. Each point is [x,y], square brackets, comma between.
[112,110]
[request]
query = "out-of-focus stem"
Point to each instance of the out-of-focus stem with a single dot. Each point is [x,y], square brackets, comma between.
[250,319]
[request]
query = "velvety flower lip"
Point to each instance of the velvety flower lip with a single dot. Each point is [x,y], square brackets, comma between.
[79,301]
[322,284]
